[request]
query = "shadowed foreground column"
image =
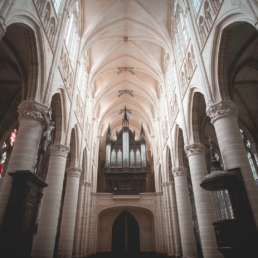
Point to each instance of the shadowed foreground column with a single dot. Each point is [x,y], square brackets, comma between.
[203,200]
[184,213]
[44,242]
[25,148]
[65,244]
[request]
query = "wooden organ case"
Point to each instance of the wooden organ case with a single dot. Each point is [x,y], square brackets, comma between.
[126,166]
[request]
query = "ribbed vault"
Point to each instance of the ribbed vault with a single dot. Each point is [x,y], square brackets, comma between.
[125,42]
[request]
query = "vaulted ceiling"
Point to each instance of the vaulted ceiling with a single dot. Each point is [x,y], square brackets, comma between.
[125,42]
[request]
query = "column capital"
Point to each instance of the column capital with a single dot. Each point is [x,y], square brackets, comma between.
[167,183]
[196,148]
[180,171]
[32,109]
[59,150]
[74,172]
[222,109]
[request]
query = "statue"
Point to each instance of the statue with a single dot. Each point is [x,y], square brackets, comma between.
[49,128]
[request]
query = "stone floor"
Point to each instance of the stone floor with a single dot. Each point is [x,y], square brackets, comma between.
[125,255]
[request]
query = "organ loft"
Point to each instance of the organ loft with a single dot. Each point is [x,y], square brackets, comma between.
[126,165]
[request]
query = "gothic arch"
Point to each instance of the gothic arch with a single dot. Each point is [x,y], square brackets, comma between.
[36,72]
[219,37]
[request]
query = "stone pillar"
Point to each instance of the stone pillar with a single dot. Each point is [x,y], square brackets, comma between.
[204,203]
[65,244]
[86,222]
[78,234]
[25,148]
[44,241]
[165,225]
[184,213]
[93,225]
[224,118]
[169,225]
[174,220]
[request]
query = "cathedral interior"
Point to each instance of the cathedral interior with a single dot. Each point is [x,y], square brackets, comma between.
[128,128]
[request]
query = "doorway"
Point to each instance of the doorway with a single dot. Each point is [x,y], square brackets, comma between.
[125,235]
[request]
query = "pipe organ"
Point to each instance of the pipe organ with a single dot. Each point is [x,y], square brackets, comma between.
[126,164]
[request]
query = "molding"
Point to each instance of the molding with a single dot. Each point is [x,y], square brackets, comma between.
[193,149]
[180,171]
[32,110]
[59,150]
[222,109]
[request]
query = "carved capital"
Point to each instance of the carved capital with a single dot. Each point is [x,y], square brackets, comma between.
[74,172]
[222,109]
[32,110]
[196,148]
[59,150]
[180,171]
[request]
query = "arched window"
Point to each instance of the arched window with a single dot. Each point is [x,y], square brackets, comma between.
[196,5]
[252,158]
[72,34]
[222,202]
[58,5]
[181,34]
[6,150]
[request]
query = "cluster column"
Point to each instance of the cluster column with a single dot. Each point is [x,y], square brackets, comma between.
[78,233]
[184,213]
[44,242]
[203,200]
[65,244]
[174,219]
[25,148]
[224,118]
[169,225]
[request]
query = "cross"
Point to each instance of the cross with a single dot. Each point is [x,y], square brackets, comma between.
[125,110]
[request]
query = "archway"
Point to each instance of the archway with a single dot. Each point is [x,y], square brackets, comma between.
[125,235]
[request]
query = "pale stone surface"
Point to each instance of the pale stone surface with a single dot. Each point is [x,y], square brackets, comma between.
[184,213]
[203,199]
[129,46]
[44,241]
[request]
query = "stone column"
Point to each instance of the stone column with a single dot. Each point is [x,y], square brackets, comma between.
[93,225]
[65,244]
[25,148]
[184,213]
[204,203]
[158,225]
[224,118]
[86,222]
[174,220]
[78,234]
[169,225]
[44,241]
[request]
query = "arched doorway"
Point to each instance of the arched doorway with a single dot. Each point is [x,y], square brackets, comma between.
[125,235]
